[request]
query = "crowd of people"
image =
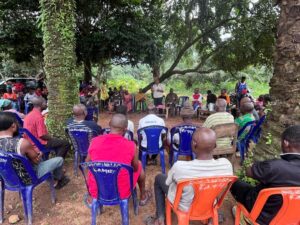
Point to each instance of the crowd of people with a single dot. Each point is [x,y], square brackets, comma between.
[273,173]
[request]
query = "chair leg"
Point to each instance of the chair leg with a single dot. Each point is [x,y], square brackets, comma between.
[27,203]
[2,193]
[144,160]
[175,156]
[124,212]
[76,163]
[94,211]
[168,213]
[237,216]
[135,202]
[52,190]
[162,161]
[171,156]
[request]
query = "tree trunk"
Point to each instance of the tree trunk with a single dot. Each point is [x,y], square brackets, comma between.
[285,84]
[87,70]
[58,25]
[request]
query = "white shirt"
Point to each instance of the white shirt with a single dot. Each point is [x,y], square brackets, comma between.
[130,126]
[150,120]
[194,169]
[28,97]
[156,90]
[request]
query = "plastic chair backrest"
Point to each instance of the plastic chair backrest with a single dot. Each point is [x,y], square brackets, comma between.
[36,142]
[183,99]
[8,173]
[20,121]
[128,134]
[229,130]
[106,176]
[81,139]
[209,193]
[247,127]
[90,113]
[185,137]
[153,135]
[288,213]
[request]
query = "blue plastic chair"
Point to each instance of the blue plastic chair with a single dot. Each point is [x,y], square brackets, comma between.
[19,119]
[128,134]
[256,133]
[12,182]
[185,142]
[243,144]
[80,139]
[91,110]
[153,135]
[37,143]
[106,176]
[28,107]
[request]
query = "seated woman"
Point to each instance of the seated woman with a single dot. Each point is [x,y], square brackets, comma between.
[128,100]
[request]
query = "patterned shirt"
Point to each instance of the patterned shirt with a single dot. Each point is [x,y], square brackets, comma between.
[242,121]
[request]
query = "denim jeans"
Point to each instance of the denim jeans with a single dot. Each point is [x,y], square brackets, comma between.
[160,190]
[53,165]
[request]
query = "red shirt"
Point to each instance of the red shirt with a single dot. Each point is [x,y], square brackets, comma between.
[10,96]
[35,123]
[113,148]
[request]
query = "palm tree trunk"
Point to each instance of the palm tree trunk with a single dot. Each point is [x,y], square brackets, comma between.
[58,25]
[285,84]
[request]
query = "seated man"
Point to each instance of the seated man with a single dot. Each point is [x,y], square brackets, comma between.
[254,112]
[218,118]
[10,142]
[247,116]
[140,99]
[187,113]
[35,123]
[78,121]
[6,105]
[171,101]
[114,147]
[284,172]
[203,144]
[151,120]
[210,101]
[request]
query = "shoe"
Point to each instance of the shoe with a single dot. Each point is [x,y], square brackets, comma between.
[63,182]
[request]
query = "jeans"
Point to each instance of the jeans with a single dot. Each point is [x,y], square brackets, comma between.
[160,190]
[61,146]
[53,165]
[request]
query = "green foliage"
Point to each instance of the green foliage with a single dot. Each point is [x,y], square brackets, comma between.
[242,172]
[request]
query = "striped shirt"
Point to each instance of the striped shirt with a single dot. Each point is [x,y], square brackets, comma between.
[218,119]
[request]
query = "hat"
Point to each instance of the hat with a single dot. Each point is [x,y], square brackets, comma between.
[4,103]
[187,110]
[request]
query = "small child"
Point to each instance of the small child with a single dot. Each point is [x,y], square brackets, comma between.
[197,99]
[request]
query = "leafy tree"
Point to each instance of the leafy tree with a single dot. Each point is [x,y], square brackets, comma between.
[58,25]
[285,107]
[227,35]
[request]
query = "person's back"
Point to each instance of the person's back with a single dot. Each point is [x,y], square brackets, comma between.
[247,116]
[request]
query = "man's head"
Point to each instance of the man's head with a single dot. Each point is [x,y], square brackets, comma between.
[171,91]
[196,91]
[151,108]
[126,92]
[247,108]
[31,90]
[243,79]
[8,123]
[290,140]
[39,103]
[204,142]
[223,91]
[121,109]
[156,80]
[5,104]
[79,111]
[118,124]
[209,92]
[245,100]
[9,89]
[221,105]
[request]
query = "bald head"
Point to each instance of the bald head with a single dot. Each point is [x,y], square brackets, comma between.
[39,102]
[204,142]
[79,111]
[118,123]
[221,105]
[247,107]
[245,100]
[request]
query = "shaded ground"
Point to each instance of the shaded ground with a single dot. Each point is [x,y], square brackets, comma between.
[70,209]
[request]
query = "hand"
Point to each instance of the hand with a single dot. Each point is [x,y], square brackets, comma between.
[39,156]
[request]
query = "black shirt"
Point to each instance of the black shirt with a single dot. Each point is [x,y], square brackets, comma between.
[96,129]
[284,172]
[211,98]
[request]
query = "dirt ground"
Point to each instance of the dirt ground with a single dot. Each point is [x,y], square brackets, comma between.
[70,209]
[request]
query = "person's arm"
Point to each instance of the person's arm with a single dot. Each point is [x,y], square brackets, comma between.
[42,129]
[135,161]
[28,150]
[88,158]
[262,171]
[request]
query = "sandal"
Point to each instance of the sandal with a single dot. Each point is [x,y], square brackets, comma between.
[147,199]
